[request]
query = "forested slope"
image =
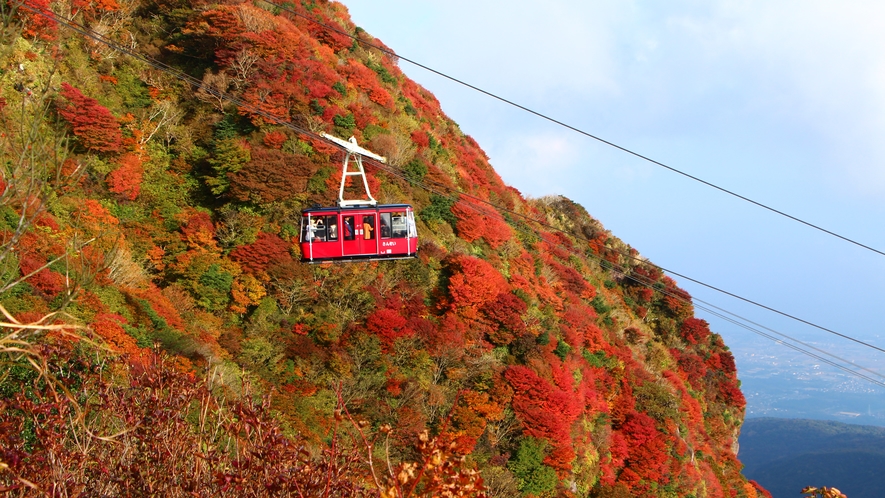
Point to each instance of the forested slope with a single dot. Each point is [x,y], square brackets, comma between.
[151,201]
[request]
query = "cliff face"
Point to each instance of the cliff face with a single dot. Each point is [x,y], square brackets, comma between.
[156,196]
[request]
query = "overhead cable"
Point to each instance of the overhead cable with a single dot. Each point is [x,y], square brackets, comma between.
[578,130]
[193,81]
[672,272]
[728,316]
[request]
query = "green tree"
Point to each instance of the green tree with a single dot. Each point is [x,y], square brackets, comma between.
[534,478]
[229,157]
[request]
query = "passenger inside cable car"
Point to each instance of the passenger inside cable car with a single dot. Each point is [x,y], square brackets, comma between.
[348,228]
[368,227]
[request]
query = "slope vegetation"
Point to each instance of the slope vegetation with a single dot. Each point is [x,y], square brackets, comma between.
[154,196]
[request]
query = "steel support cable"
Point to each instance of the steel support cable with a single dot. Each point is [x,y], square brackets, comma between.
[578,130]
[707,307]
[753,326]
[737,319]
[672,272]
[193,81]
[801,350]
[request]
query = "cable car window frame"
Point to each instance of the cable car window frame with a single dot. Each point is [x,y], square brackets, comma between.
[385,225]
[348,222]
[368,219]
[319,229]
[399,225]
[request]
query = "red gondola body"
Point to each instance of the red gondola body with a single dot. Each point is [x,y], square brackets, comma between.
[352,233]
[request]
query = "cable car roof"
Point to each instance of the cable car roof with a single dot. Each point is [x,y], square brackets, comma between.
[337,209]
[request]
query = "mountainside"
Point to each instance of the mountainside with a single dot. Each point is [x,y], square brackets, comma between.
[156,156]
[784,455]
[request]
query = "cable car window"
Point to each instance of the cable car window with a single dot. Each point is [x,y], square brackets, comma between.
[305,229]
[399,225]
[413,230]
[332,227]
[313,229]
[385,225]
[319,228]
[369,227]
[348,228]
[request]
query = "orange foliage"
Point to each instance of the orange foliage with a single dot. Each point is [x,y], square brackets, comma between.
[274,139]
[366,80]
[45,280]
[469,221]
[268,249]
[92,123]
[496,231]
[38,23]
[199,233]
[246,291]
[474,282]
[94,214]
[109,327]
[161,305]
[126,179]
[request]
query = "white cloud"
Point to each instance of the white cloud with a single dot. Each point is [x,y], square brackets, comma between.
[544,162]
[815,65]
[807,72]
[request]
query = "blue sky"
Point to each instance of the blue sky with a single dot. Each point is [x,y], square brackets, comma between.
[782,102]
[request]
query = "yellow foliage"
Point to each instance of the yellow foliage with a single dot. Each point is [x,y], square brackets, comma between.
[246,291]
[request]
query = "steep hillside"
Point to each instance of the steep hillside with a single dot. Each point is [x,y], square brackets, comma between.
[154,196]
[785,455]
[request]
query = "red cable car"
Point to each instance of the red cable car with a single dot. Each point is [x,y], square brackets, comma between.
[357,229]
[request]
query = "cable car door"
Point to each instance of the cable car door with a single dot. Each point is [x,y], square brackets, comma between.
[360,236]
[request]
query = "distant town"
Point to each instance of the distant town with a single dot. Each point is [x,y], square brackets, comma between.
[779,382]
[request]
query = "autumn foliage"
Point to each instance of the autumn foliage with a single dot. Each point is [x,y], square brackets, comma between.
[126,179]
[505,360]
[92,123]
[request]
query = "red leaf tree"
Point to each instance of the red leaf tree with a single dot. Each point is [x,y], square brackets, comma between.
[474,282]
[36,19]
[469,222]
[504,314]
[92,123]
[269,176]
[695,330]
[389,326]
[268,249]
[126,180]
[546,412]
[647,460]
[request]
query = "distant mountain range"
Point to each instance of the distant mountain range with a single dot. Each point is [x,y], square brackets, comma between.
[784,455]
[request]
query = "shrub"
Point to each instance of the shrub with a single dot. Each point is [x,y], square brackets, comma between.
[439,210]
[92,123]
[126,180]
[533,477]
[415,170]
